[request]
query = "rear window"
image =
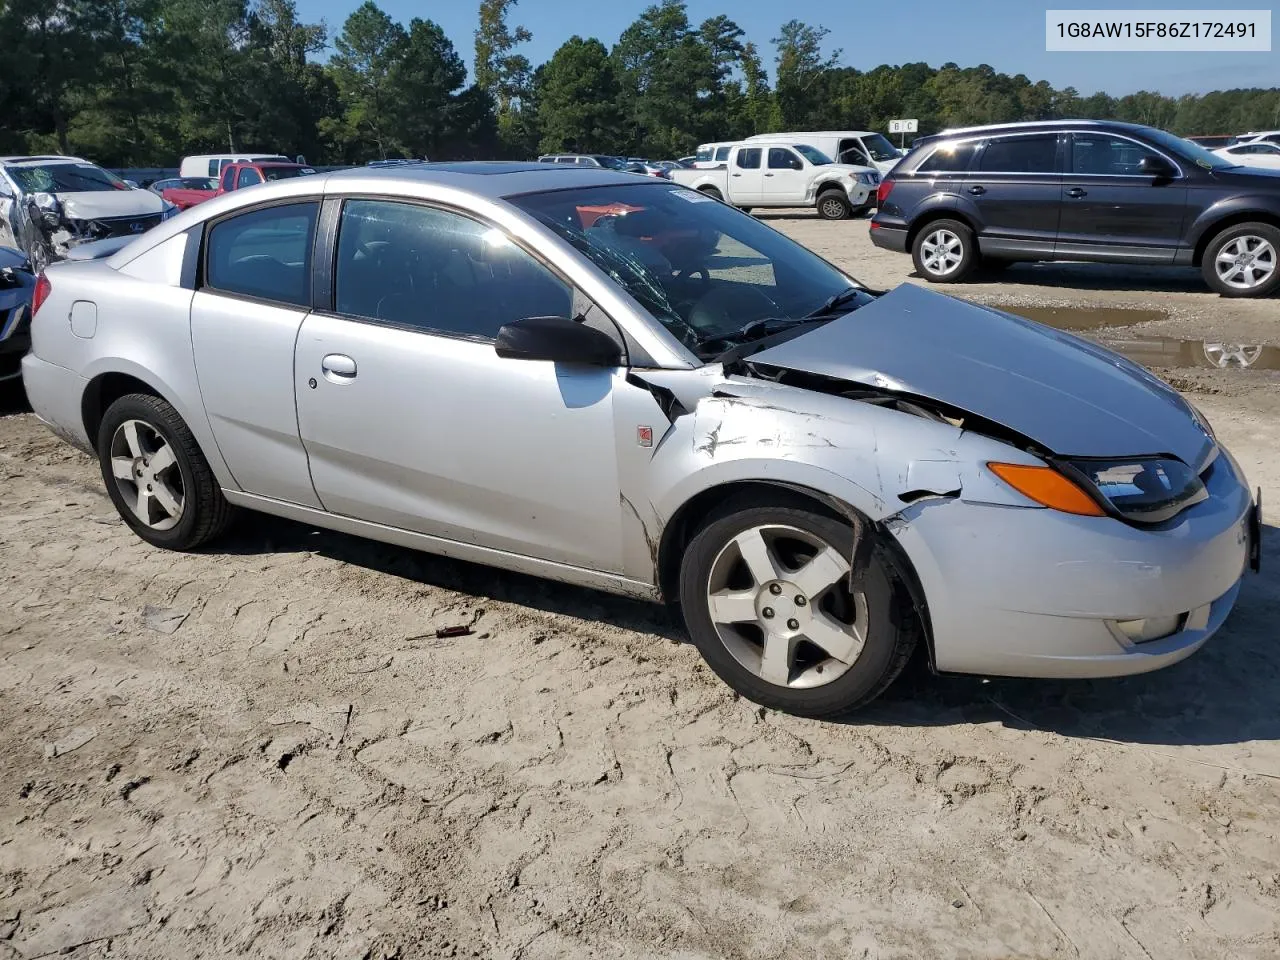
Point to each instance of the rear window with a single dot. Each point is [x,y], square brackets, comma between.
[1035,154]
[948,158]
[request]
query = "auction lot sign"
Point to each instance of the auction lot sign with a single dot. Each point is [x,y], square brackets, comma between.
[1179,31]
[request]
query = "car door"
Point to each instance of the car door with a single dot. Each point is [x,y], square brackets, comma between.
[1013,191]
[1110,209]
[785,178]
[746,178]
[253,294]
[411,419]
[247,177]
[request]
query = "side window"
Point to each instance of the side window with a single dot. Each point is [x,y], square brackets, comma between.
[214,168]
[948,158]
[264,253]
[1034,154]
[1103,154]
[722,153]
[247,177]
[228,178]
[749,159]
[850,151]
[780,158]
[438,271]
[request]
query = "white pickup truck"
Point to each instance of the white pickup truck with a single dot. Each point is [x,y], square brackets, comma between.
[766,173]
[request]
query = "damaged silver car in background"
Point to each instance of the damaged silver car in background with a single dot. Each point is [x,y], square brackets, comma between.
[49,205]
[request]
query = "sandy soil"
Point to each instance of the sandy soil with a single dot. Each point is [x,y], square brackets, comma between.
[263,750]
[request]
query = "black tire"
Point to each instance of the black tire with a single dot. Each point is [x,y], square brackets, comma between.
[943,231]
[833,204]
[890,629]
[1244,236]
[711,192]
[205,512]
[864,211]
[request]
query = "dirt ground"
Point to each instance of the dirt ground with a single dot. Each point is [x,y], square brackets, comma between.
[262,750]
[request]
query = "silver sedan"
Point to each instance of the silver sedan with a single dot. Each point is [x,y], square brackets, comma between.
[624,385]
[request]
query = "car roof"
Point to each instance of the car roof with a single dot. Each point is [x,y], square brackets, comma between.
[494,179]
[813,133]
[1032,125]
[51,158]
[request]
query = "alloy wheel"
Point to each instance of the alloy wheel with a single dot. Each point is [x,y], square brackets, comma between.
[1246,262]
[146,473]
[780,600]
[832,208]
[941,252]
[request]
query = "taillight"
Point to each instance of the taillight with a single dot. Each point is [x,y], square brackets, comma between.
[883,191]
[43,289]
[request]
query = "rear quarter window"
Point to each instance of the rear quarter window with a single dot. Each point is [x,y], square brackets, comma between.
[264,254]
[948,158]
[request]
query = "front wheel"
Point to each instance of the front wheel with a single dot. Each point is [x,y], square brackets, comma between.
[767,599]
[944,252]
[1241,260]
[156,476]
[834,205]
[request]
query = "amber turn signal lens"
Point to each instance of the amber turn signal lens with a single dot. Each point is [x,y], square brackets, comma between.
[1047,486]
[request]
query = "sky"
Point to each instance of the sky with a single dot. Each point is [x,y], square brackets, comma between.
[1007,34]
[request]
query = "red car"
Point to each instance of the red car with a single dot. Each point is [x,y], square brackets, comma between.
[236,176]
[185,192]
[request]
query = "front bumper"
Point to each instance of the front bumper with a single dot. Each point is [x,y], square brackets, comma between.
[1030,592]
[889,238]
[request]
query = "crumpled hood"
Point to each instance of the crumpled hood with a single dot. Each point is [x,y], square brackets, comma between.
[99,204]
[1064,393]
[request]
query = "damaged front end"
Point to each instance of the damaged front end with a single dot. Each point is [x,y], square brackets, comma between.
[48,227]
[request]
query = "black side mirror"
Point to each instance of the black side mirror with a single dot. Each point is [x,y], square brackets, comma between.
[1156,167]
[557,339]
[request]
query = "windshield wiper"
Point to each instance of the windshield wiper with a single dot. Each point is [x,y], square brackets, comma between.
[751,336]
[833,302]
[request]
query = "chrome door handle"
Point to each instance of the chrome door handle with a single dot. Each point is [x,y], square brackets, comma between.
[978,191]
[338,368]
[1077,192]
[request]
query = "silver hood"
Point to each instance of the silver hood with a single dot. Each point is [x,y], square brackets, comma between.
[1066,394]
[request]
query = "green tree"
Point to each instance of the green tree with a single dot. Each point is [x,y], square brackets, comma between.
[505,76]
[367,52]
[802,72]
[578,99]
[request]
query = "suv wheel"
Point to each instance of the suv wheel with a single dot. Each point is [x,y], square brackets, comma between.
[156,476]
[944,252]
[1241,261]
[834,205]
[767,599]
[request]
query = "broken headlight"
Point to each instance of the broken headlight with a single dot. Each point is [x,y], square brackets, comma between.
[1142,489]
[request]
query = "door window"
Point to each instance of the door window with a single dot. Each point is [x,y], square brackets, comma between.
[214,168]
[722,153]
[431,269]
[264,253]
[850,151]
[1034,154]
[1101,154]
[749,159]
[780,158]
[228,178]
[247,177]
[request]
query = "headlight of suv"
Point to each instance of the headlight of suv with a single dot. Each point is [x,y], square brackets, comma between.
[168,211]
[1142,489]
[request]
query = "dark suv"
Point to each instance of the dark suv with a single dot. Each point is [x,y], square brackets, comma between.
[1080,190]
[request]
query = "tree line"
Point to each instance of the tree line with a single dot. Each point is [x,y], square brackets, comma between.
[142,82]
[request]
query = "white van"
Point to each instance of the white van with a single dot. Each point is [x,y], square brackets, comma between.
[210,165]
[712,154]
[862,148]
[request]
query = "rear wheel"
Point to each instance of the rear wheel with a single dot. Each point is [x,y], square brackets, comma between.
[834,205]
[944,251]
[1241,261]
[767,599]
[711,192]
[156,476]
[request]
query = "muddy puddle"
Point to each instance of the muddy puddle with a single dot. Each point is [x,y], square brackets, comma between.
[1151,351]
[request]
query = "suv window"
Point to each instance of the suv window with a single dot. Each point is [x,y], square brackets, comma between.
[264,253]
[948,158]
[433,270]
[1033,154]
[247,177]
[749,159]
[1107,155]
[780,158]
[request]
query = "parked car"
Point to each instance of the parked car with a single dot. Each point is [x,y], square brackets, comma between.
[712,155]
[778,173]
[1213,142]
[648,167]
[1098,191]
[211,165]
[819,475]
[1269,136]
[1256,153]
[585,160]
[862,148]
[17,285]
[237,176]
[50,204]
[687,162]
[185,192]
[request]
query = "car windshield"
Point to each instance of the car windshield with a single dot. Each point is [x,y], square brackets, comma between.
[65,178]
[1186,150]
[814,156]
[284,173]
[701,268]
[880,148]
